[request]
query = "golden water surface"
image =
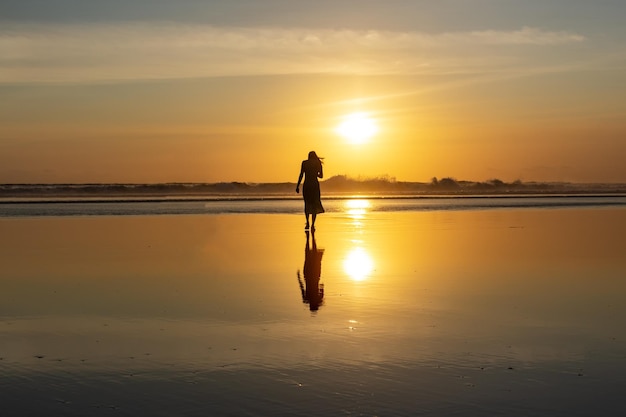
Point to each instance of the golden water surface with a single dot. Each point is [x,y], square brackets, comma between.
[497,306]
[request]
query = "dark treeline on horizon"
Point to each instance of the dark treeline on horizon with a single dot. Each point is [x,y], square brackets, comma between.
[337,184]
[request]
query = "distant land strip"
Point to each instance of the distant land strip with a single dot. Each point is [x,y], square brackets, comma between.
[339,184]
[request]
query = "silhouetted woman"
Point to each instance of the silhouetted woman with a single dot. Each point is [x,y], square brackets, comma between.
[311,169]
[312,290]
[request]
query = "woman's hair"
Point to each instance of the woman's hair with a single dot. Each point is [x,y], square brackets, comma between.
[313,155]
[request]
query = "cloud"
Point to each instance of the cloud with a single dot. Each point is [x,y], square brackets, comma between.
[136,51]
[524,36]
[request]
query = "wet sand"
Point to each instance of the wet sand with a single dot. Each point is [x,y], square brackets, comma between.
[478,313]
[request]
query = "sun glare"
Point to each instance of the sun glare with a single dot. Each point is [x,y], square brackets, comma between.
[357,128]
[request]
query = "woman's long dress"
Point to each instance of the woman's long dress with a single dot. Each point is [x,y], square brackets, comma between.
[311,188]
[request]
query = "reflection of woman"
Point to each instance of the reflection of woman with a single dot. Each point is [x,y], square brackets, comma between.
[312,290]
[311,169]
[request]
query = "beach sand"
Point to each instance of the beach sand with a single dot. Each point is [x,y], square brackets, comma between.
[473,313]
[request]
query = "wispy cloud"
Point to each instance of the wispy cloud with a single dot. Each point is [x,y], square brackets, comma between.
[103,52]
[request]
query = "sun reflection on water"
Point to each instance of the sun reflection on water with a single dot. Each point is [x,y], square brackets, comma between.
[358,264]
[357,208]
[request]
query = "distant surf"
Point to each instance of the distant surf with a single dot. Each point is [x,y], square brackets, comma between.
[337,186]
[354,205]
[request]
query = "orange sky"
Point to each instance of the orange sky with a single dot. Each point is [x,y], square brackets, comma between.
[205,101]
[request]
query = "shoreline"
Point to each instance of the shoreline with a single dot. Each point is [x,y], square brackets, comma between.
[345,205]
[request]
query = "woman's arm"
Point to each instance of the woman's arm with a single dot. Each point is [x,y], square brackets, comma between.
[321,171]
[300,177]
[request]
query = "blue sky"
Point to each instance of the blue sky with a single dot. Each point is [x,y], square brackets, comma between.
[363,14]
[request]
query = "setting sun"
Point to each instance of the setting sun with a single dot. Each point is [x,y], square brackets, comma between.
[357,128]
